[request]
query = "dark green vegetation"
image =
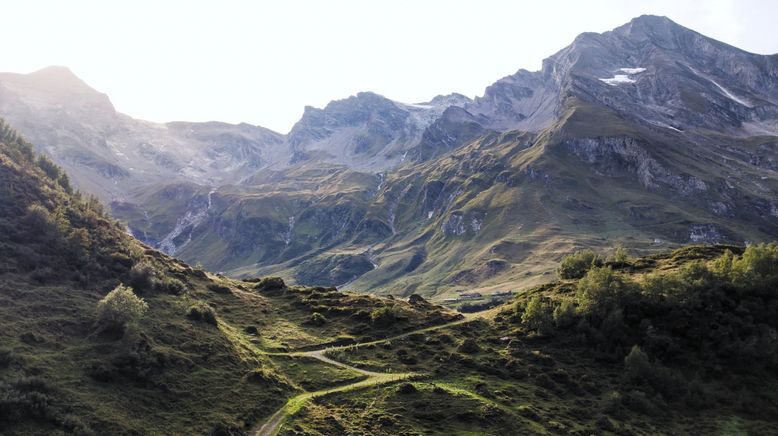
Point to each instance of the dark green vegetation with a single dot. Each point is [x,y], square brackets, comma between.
[102,335]
[681,342]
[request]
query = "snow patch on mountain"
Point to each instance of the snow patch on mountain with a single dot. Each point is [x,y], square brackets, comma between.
[619,79]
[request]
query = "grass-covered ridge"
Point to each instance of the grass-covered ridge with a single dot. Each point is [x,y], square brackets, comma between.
[102,335]
[679,342]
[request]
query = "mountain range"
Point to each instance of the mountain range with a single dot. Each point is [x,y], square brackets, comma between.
[647,136]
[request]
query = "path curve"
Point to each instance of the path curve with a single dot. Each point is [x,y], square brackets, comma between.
[273,424]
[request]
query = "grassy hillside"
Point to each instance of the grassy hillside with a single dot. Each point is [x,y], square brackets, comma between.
[674,343]
[190,362]
[102,335]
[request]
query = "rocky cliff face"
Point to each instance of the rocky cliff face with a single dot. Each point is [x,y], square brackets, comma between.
[648,135]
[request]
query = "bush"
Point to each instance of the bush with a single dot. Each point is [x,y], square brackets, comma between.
[537,315]
[40,222]
[565,315]
[574,266]
[757,267]
[637,366]
[18,403]
[142,276]
[696,276]
[218,289]
[48,167]
[270,284]
[406,389]
[620,256]
[6,357]
[170,285]
[202,312]
[318,319]
[120,308]
[469,346]
[639,371]
[383,316]
[601,289]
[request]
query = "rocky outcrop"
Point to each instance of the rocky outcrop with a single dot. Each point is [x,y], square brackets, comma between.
[619,156]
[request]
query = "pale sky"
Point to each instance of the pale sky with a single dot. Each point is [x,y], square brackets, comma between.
[261,62]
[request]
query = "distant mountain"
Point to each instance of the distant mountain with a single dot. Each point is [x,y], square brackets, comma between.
[111,154]
[648,135]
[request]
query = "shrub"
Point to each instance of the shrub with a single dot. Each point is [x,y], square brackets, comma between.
[142,276]
[202,312]
[120,308]
[48,167]
[601,289]
[537,315]
[383,316]
[406,389]
[469,346]
[663,284]
[620,256]
[640,371]
[574,266]
[758,266]
[219,289]
[270,284]
[171,285]
[39,221]
[416,300]
[637,366]
[318,319]
[565,315]
[18,402]
[6,357]
[695,276]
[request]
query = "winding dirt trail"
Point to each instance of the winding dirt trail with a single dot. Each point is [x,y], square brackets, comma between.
[294,404]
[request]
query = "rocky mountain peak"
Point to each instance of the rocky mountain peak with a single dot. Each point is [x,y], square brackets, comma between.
[60,77]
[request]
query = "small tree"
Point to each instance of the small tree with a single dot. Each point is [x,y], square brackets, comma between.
[383,316]
[637,367]
[143,276]
[621,255]
[574,266]
[120,308]
[318,319]
[538,315]
[564,315]
[758,266]
[601,289]
[202,312]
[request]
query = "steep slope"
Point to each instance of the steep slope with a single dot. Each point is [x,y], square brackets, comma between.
[190,364]
[60,371]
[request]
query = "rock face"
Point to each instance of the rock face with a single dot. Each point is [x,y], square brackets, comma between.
[366,132]
[647,135]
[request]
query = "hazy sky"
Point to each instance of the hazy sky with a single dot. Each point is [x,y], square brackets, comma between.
[261,62]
